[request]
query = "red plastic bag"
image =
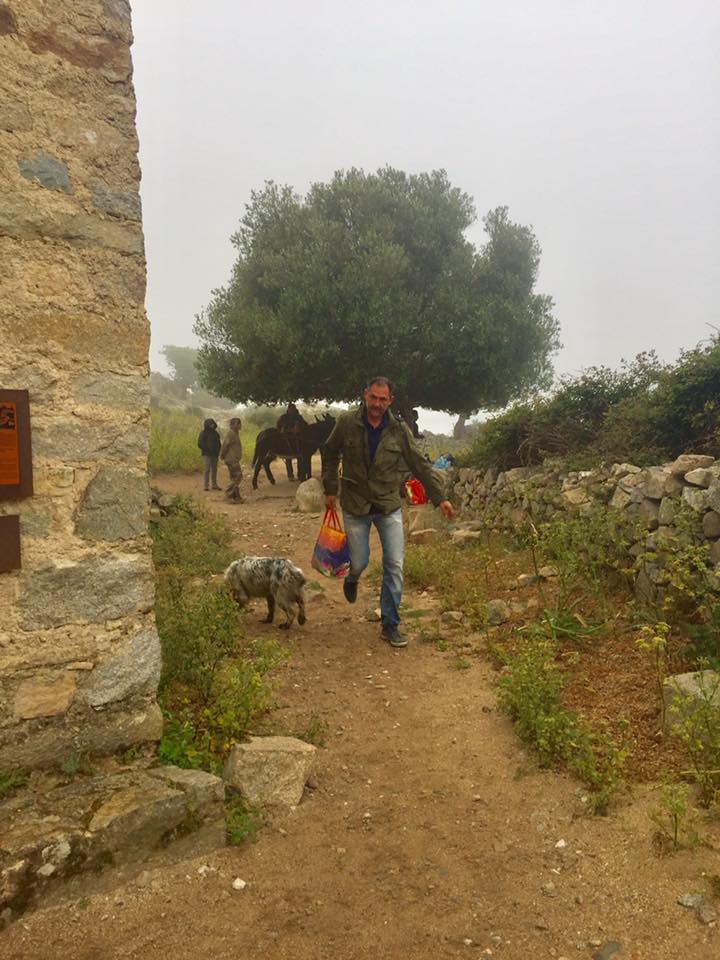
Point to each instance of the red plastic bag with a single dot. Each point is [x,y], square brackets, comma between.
[415,492]
[331,555]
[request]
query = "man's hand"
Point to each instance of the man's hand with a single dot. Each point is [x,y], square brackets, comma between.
[447,509]
[330,502]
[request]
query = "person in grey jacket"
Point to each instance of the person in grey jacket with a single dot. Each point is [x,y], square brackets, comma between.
[209,444]
[231,455]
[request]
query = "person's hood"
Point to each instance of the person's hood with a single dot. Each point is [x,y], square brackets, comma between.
[209,424]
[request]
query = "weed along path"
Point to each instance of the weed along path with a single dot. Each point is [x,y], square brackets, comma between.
[427,830]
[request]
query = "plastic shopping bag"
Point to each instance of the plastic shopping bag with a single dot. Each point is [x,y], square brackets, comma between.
[331,555]
[415,492]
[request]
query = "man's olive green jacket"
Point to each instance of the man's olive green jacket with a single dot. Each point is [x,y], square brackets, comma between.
[365,483]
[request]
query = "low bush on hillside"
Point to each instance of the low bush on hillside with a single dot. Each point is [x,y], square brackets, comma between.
[646,412]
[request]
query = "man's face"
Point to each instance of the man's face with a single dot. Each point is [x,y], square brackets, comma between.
[377,399]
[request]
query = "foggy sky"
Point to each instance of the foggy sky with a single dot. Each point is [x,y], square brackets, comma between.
[598,123]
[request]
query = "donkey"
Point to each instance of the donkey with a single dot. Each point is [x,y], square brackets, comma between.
[271,443]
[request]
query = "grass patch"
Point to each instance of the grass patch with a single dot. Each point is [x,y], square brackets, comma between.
[243,821]
[530,693]
[458,573]
[315,732]
[173,441]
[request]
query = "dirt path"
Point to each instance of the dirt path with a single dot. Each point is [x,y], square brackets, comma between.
[430,832]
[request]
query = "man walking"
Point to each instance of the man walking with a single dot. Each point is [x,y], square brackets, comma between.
[374,445]
[231,454]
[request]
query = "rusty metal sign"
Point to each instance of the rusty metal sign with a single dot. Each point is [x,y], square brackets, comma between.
[15,445]
[9,544]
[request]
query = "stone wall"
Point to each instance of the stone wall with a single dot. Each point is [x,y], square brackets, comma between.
[649,498]
[79,654]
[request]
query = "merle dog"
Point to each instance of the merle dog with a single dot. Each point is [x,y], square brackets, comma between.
[275,578]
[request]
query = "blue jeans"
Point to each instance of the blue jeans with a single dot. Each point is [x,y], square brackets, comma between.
[390,530]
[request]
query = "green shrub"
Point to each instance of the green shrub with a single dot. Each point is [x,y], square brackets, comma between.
[243,820]
[190,543]
[213,683]
[530,692]
[199,629]
[645,412]
[566,422]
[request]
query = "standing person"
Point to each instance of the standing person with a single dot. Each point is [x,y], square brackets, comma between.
[209,444]
[290,425]
[374,448]
[231,455]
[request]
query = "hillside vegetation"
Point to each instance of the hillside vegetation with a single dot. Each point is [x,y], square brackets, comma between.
[646,412]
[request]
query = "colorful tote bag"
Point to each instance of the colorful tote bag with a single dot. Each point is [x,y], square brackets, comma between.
[331,555]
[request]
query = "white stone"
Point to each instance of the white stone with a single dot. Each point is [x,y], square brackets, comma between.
[310,496]
[696,498]
[700,477]
[682,691]
[690,461]
[270,771]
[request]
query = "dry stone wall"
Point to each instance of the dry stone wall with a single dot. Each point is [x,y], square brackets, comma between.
[79,654]
[651,499]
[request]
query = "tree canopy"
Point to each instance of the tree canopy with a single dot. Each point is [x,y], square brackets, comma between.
[372,274]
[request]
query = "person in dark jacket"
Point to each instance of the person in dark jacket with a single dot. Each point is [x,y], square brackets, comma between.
[209,444]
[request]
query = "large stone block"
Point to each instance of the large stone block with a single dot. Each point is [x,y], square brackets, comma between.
[134,669]
[109,55]
[139,816]
[37,697]
[112,390]
[83,335]
[28,745]
[23,220]
[15,117]
[654,480]
[88,590]
[711,525]
[47,170]
[205,792]
[76,440]
[696,497]
[124,204]
[270,771]
[701,477]
[114,505]
[690,461]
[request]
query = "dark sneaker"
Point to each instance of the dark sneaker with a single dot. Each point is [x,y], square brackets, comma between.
[393,636]
[350,590]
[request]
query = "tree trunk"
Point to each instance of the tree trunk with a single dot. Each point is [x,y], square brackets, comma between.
[459,428]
